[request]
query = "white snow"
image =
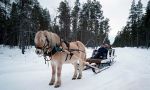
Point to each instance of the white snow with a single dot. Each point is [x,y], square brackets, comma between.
[29,72]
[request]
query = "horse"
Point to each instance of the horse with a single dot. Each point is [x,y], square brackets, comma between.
[61,52]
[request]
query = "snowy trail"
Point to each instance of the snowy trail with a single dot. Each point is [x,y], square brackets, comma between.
[28,72]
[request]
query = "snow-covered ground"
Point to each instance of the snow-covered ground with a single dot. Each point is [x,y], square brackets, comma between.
[29,72]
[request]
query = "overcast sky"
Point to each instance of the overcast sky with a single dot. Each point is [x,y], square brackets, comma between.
[116,10]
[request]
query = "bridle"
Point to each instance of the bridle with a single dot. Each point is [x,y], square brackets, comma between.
[46,47]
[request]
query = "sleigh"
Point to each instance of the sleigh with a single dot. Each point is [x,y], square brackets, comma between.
[98,65]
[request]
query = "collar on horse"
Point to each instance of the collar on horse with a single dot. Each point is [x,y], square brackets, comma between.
[52,52]
[55,49]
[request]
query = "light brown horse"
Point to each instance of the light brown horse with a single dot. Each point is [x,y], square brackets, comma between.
[60,52]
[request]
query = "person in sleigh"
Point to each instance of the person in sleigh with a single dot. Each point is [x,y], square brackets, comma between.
[101,53]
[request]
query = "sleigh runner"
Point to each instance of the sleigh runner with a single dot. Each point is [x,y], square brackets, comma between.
[98,65]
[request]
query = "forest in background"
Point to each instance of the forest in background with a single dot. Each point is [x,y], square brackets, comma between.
[136,33]
[21,19]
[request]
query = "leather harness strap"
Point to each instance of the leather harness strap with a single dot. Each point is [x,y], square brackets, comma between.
[57,48]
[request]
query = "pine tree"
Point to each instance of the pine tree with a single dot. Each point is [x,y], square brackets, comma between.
[55,26]
[4,19]
[106,30]
[45,20]
[101,25]
[92,22]
[2,24]
[133,30]
[25,22]
[48,20]
[83,24]
[147,25]
[13,32]
[75,19]
[132,20]
[20,24]
[139,10]
[117,41]
[35,17]
[64,20]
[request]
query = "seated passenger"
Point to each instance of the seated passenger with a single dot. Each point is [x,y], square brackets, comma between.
[101,52]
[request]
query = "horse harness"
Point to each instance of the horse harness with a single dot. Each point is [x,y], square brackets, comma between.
[57,48]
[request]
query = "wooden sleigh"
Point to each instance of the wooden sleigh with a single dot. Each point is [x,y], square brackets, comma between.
[98,65]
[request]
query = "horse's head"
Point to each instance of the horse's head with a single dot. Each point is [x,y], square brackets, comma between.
[45,42]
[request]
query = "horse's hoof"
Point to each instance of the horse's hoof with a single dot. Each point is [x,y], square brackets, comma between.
[73,78]
[56,86]
[79,78]
[51,84]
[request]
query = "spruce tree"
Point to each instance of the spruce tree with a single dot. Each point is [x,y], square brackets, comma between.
[2,24]
[75,19]
[147,24]
[64,20]
[4,18]
[132,20]
[46,21]
[13,32]
[92,22]
[35,17]
[139,10]
[134,28]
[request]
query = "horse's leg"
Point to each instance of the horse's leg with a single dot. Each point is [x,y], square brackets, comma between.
[80,69]
[53,73]
[59,68]
[75,71]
